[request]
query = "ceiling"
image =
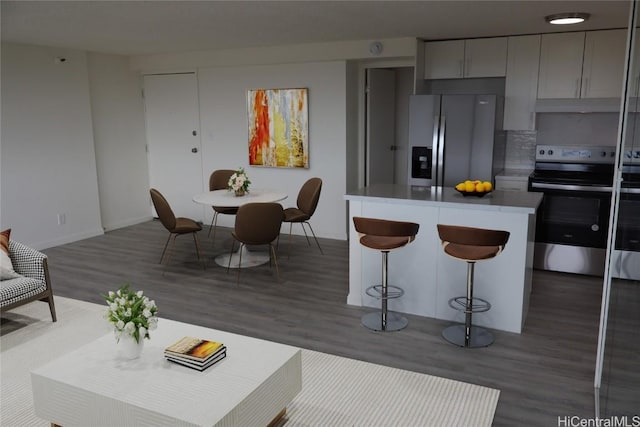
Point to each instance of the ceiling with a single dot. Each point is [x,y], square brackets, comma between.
[151,27]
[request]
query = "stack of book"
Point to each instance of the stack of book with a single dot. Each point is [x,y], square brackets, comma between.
[195,353]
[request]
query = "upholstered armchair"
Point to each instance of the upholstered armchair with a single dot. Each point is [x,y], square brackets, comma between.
[33,282]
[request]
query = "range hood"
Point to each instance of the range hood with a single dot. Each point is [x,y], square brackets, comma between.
[585,105]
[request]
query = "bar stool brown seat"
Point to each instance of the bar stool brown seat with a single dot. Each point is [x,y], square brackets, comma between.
[471,245]
[384,236]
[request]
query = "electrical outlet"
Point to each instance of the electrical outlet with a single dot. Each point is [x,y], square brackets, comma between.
[62,219]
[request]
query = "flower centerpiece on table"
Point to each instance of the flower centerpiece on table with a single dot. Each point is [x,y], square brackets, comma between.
[131,313]
[239,182]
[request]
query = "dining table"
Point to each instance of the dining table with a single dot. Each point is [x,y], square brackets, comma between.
[226,198]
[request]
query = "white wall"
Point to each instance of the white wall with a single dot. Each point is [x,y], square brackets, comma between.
[223,116]
[345,164]
[285,54]
[117,110]
[73,132]
[48,158]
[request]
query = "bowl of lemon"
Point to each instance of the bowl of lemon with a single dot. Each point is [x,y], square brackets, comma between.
[474,188]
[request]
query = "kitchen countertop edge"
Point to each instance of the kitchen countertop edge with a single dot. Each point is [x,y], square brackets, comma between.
[498,200]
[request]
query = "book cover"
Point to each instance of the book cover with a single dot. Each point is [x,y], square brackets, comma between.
[193,361]
[195,365]
[194,348]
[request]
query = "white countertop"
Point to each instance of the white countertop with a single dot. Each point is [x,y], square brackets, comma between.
[498,200]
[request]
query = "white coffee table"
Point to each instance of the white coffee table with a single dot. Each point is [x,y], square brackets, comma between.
[94,385]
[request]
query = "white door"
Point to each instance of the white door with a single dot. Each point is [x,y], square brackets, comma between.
[380,126]
[173,140]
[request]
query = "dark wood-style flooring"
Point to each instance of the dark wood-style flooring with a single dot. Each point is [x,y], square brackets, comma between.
[543,373]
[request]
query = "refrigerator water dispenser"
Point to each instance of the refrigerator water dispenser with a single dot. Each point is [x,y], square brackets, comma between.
[421,162]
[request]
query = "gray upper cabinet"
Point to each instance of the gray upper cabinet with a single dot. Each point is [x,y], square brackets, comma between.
[485,57]
[521,84]
[444,60]
[582,65]
[635,70]
[454,59]
[604,53]
[560,65]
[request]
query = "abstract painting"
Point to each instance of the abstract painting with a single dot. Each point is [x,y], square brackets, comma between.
[278,128]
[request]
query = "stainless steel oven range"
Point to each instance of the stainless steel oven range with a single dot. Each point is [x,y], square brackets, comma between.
[573,219]
[625,259]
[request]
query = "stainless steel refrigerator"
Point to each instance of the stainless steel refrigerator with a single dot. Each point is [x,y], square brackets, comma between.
[453,138]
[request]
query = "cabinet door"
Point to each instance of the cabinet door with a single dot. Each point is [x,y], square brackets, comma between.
[521,84]
[634,72]
[560,65]
[443,60]
[604,53]
[485,57]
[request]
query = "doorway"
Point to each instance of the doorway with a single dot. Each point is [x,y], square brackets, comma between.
[386,126]
[173,140]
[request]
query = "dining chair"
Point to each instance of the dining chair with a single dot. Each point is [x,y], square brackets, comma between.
[257,224]
[306,206]
[219,180]
[175,225]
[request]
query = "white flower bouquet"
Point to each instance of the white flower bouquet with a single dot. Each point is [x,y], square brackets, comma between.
[131,313]
[239,181]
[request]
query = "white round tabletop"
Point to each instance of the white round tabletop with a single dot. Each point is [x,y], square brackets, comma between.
[226,198]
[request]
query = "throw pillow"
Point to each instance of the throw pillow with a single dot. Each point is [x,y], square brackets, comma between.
[6,267]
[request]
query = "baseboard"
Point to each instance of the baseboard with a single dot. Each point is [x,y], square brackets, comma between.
[127,223]
[70,238]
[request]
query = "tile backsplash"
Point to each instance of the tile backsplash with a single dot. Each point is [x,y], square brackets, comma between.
[559,129]
[577,128]
[520,150]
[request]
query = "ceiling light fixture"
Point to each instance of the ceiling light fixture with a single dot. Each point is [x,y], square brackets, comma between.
[567,18]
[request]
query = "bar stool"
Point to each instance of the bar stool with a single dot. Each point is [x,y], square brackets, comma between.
[384,236]
[470,245]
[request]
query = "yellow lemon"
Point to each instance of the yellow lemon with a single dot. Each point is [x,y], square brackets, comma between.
[468,182]
[469,187]
[487,186]
[461,187]
[479,188]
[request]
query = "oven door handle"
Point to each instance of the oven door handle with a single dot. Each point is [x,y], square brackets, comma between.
[627,190]
[592,189]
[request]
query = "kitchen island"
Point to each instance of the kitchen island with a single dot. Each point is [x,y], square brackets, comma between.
[428,276]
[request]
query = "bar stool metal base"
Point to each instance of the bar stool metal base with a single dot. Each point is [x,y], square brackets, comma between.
[478,337]
[395,322]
